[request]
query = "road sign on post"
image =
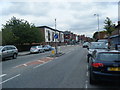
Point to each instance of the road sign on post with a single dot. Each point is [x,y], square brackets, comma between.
[56,36]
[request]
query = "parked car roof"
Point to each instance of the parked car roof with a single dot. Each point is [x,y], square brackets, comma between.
[97,45]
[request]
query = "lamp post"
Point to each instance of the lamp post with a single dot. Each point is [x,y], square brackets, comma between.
[98,24]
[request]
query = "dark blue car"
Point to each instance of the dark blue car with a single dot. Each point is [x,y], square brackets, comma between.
[105,66]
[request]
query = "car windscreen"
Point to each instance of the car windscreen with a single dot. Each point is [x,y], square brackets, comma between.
[86,43]
[0,47]
[108,57]
[39,46]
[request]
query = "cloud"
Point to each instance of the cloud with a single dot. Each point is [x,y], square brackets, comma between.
[75,16]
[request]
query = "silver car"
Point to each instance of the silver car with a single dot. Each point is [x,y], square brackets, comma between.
[8,51]
[36,49]
[96,47]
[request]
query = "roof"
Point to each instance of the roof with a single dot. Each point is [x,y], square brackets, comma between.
[113,36]
[97,42]
[49,28]
[109,51]
[117,26]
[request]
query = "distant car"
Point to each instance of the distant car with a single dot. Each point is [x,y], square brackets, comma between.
[86,45]
[36,49]
[105,66]
[47,47]
[8,51]
[96,47]
[103,40]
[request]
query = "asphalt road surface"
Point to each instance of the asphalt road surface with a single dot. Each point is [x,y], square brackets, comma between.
[40,71]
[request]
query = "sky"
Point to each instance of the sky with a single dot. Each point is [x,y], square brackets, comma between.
[76,16]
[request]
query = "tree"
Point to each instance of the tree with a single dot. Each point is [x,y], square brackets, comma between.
[19,31]
[95,35]
[109,26]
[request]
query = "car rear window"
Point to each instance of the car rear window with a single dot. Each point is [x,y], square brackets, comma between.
[108,57]
[34,47]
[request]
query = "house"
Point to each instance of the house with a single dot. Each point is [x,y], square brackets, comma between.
[70,38]
[115,37]
[48,35]
[67,37]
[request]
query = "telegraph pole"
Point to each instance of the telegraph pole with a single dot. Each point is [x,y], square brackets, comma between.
[55,39]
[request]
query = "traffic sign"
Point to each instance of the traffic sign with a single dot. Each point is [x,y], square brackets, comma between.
[56,36]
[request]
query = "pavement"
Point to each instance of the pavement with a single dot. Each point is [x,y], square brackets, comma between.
[23,53]
[28,52]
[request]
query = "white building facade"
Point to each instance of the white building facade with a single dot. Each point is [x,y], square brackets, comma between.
[49,34]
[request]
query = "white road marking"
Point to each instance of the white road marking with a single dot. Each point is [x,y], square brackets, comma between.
[40,65]
[25,64]
[3,75]
[86,85]
[10,79]
[87,74]
[69,51]
[17,66]
[41,61]
[87,67]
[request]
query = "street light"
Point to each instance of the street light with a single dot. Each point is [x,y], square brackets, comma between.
[98,24]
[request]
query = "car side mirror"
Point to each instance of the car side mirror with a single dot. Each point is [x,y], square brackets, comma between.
[87,48]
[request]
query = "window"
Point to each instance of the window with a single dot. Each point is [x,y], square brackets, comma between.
[48,35]
[4,49]
[52,36]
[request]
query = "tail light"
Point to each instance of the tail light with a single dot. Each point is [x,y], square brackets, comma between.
[97,65]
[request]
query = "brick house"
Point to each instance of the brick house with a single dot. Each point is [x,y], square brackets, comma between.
[67,36]
[115,37]
[70,38]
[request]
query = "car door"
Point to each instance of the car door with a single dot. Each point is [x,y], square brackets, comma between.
[4,52]
[10,51]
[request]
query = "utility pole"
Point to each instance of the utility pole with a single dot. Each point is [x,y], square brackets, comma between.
[55,39]
[98,24]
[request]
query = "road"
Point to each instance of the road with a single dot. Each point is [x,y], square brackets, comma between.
[40,71]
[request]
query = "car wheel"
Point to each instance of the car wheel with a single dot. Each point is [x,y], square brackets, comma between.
[39,51]
[14,56]
[88,59]
[91,80]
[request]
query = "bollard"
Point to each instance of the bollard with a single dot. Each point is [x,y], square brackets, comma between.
[53,51]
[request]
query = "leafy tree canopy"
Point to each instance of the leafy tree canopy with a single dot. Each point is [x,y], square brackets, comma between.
[109,26]
[19,31]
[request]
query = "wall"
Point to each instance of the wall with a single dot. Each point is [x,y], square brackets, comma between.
[0,37]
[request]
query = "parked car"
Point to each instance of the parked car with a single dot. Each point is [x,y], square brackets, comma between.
[47,48]
[96,47]
[103,40]
[105,66]
[36,49]
[86,45]
[8,51]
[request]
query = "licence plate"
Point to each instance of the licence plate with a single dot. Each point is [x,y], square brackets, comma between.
[114,69]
